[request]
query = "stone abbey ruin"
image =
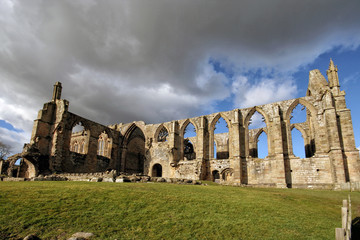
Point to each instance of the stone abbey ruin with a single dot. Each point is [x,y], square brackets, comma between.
[161,150]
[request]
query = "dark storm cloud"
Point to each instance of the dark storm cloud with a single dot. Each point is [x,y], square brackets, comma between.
[121,61]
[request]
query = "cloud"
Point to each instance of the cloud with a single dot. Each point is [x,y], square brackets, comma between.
[249,94]
[121,61]
[14,139]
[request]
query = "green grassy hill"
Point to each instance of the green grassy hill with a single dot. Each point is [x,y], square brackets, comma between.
[168,211]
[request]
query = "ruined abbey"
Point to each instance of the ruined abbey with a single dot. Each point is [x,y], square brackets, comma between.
[163,150]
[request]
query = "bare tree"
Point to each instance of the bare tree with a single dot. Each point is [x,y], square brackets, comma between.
[4,150]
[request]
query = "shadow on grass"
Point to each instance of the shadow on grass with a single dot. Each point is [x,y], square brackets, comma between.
[355,228]
[5,234]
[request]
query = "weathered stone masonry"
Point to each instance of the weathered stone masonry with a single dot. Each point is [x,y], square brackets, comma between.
[160,150]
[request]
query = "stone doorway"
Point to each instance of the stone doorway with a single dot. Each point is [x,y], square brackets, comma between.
[157,170]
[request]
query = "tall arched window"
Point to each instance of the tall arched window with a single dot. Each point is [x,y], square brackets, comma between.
[76,147]
[101,146]
[189,142]
[299,146]
[262,145]
[104,145]
[221,139]
[162,135]
[300,118]
[298,114]
[82,147]
[258,142]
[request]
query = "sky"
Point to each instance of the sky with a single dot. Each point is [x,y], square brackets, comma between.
[163,60]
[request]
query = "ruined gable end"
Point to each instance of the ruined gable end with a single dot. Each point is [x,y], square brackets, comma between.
[317,83]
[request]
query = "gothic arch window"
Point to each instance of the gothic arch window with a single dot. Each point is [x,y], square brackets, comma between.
[301,131]
[76,147]
[262,145]
[189,141]
[299,147]
[162,135]
[220,134]
[257,145]
[298,114]
[82,147]
[101,146]
[256,121]
[104,145]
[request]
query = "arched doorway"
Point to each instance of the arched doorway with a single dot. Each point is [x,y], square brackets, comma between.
[216,176]
[157,170]
[227,174]
[135,153]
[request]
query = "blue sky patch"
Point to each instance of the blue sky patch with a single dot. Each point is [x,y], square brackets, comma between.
[5,124]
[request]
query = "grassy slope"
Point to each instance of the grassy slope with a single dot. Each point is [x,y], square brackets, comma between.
[168,211]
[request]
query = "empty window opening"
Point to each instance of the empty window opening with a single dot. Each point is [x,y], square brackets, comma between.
[298,143]
[258,144]
[215,151]
[221,139]
[262,145]
[18,162]
[256,121]
[189,142]
[104,145]
[163,135]
[221,126]
[189,152]
[157,170]
[298,114]
[78,128]
[189,131]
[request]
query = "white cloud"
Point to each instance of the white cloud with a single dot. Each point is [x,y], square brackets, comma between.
[14,139]
[249,94]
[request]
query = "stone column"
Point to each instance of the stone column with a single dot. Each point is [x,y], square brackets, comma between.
[276,152]
[234,132]
[340,172]
[347,141]
[123,158]
[201,152]
[91,157]
[174,143]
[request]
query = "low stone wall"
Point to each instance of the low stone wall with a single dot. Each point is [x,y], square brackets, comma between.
[11,179]
[349,186]
[89,177]
[106,177]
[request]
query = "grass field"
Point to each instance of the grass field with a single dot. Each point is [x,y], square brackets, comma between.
[168,211]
